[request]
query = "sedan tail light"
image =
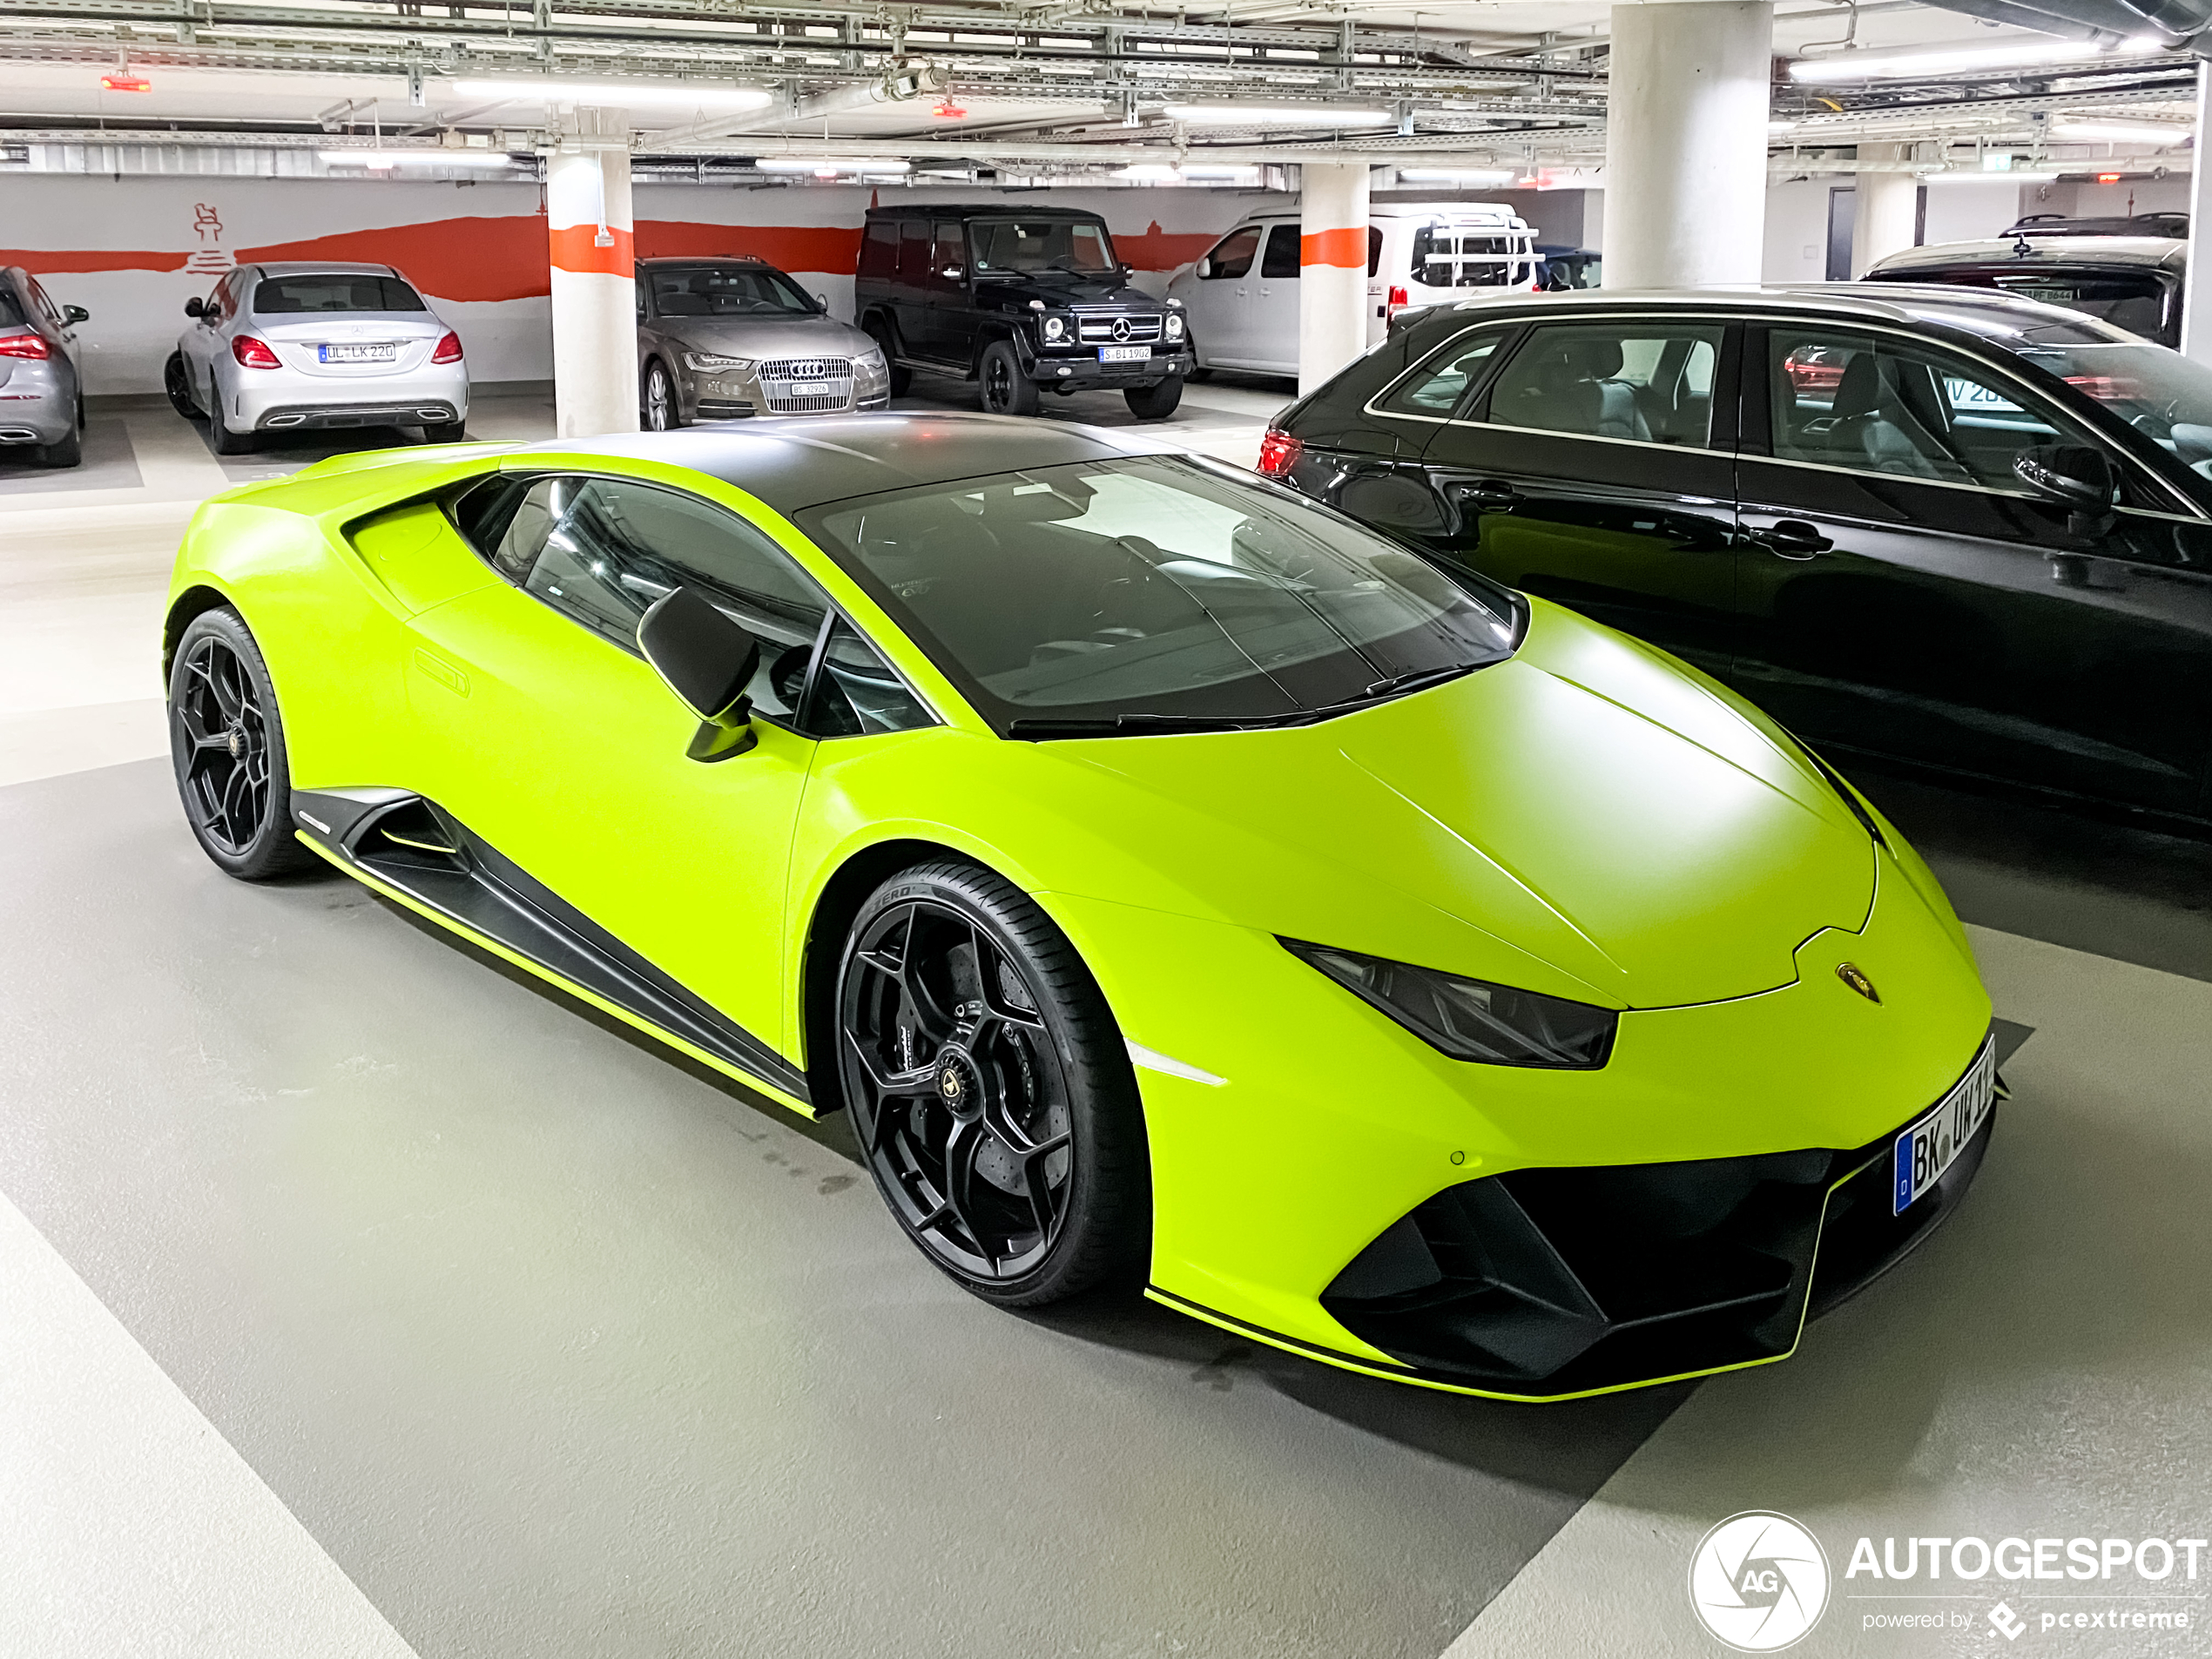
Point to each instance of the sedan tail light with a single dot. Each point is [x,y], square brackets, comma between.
[22,346]
[253,353]
[1278,452]
[448,350]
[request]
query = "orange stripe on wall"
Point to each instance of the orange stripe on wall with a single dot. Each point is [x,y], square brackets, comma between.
[831,249]
[576,249]
[1159,250]
[42,261]
[1347,247]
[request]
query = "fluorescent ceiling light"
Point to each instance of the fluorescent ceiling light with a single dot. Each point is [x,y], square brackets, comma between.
[1255,115]
[1943,60]
[825,164]
[416,157]
[2159,134]
[1148,172]
[691,95]
[1970,176]
[1457,175]
[1217,171]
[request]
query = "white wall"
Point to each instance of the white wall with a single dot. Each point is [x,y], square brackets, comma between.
[1796,231]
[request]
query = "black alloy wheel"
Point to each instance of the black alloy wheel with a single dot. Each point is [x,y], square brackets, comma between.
[662,412]
[175,382]
[1006,389]
[227,745]
[989,1090]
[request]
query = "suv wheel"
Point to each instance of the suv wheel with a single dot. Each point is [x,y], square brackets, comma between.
[1006,389]
[1154,402]
[901,378]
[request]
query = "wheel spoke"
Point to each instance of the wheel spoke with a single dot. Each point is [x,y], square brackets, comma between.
[897,1085]
[225,686]
[961,1148]
[1039,1194]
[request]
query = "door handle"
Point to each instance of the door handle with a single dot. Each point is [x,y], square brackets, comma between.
[1494,494]
[1790,538]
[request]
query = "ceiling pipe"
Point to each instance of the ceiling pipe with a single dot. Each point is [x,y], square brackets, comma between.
[901,82]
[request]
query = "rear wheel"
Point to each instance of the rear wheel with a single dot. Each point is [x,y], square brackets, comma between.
[175,382]
[901,379]
[1005,389]
[222,440]
[227,743]
[1154,402]
[662,413]
[446,432]
[989,1088]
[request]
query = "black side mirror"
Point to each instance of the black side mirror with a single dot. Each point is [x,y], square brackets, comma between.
[2077,476]
[76,314]
[708,661]
[195,306]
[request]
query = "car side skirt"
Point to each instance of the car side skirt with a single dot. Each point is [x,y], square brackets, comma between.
[418,855]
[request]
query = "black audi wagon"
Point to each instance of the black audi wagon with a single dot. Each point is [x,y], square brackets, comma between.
[1961,530]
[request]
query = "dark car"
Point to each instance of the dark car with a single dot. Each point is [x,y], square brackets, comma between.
[41,397]
[1016,299]
[726,339]
[2130,273]
[1956,529]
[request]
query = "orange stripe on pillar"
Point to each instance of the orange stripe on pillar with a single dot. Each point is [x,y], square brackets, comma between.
[575,248]
[1347,247]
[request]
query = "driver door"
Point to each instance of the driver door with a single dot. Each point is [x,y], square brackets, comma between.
[548,735]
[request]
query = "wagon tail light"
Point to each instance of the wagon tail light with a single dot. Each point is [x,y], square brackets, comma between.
[22,346]
[253,353]
[448,350]
[1278,452]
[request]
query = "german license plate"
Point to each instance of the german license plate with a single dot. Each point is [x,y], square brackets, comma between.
[1124,354]
[1925,1150]
[381,352]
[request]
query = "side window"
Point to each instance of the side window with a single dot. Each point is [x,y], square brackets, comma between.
[1374,250]
[1436,387]
[914,250]
[1232,256]
[1877,404]
[951,250]
[880,248]
[1645,382]
[857,692]
[1280,262]
[53,312]
[601,550]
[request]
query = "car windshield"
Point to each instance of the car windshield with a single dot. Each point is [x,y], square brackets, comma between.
[2160,393]
[729,291]
[1156,592]
[1031,246]
[334,291]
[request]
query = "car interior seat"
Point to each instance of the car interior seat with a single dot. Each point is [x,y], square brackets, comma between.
[1891,415]
[1576,388]
[683,304]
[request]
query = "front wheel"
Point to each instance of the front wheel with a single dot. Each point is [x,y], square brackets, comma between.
[901,379]
[178,386]
[1154,402]
[1006,389]
[663,412]
[989,1088]
[227,744]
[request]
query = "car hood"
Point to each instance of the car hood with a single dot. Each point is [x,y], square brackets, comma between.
[1590,819]
[1059,292]
[767,336]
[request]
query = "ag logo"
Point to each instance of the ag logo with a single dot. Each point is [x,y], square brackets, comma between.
[1758,1582]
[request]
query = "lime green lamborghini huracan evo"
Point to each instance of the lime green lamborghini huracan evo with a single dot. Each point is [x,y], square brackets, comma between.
[1171,877]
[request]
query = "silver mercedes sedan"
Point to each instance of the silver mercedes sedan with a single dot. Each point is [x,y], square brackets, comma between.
[722,339]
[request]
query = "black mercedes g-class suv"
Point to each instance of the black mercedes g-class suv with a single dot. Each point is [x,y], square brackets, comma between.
[1016,299]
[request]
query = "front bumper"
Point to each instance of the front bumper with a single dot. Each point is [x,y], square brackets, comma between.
[1326,1127]
[1079,367]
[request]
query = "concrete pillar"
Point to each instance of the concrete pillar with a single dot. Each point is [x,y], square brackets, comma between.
[1886,209]
[1332,268]
[2196,294]
[595,303]
[1685,146]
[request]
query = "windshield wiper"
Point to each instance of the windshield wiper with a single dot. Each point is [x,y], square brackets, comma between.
[1040,728]
[1415,680]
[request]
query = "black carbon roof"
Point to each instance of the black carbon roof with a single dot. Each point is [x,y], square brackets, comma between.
[805,461]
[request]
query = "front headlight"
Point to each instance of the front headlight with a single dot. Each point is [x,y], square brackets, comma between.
[1175,325]
[707,361]
[1469,1019]
[1056,330]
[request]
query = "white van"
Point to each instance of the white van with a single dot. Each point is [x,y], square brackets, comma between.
[1241,296]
